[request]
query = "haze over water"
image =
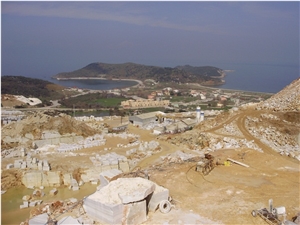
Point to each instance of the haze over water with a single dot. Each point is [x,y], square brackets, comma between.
[42,39]
[260,78]
[257,78]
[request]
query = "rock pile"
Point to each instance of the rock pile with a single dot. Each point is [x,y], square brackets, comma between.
[40,126]
[207,142]
[31,163]
[30,201]
[231,129]
[96,140]
[41,213]
[287,99]
[281,142]
[110,161]
[178,157]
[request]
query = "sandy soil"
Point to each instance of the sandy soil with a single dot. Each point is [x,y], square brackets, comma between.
[226,196]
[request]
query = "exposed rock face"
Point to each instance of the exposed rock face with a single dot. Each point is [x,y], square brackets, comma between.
[42,127]
[274,123]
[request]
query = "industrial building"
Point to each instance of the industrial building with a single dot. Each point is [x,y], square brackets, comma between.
[145,118]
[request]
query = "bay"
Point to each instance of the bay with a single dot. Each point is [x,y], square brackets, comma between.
[247,77]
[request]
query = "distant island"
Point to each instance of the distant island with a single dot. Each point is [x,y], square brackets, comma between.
[205,75]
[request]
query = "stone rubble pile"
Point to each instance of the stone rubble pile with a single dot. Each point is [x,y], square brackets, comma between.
[145,149]
[13,153]
[89,118]
[41,129]
[217,143]
[41,215]
[269,117]
[92,141]
[230,143]
[148,146]
[177,157]
[93,122]
[110,161]
[123,135]
[30,163]
[31,201]
[283,143]
[231,129]
[208,142]
[285,100]
[128,145]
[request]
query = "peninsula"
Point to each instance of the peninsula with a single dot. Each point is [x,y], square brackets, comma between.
[206,75]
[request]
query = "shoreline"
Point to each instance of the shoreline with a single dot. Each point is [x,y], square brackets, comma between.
[228,89]
[224,74]
[139,82]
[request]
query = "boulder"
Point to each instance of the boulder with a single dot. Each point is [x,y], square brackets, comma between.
[107,176]
[33,178]
[122,201]
[67,221]
[160,194]
[135,213]
[40,219]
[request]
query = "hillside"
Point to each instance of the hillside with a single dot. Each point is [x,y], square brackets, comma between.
[142,72]
[272,126]
[288,99]
[29,87]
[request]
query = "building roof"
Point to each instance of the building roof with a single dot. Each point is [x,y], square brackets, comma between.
[148,115]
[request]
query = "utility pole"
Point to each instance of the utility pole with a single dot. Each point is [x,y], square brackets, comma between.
[73,110]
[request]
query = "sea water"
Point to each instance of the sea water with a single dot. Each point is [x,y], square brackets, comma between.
[259,78]
[248,77]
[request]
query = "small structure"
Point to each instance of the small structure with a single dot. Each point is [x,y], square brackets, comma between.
[198,113]
[145,118]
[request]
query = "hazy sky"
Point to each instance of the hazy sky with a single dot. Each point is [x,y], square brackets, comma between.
[44,38]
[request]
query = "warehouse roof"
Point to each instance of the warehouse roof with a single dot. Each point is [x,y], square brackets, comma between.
[148,115]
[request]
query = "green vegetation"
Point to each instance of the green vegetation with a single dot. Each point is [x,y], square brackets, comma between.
[93,101]
[180,74]
[184,99]
[30,87]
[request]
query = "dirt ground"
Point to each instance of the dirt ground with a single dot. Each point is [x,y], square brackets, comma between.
[227,195]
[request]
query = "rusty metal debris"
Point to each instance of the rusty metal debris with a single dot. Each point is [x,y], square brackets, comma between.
[206,164]
[272,215]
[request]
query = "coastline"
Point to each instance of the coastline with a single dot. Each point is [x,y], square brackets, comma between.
[228,89]
[139,82]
